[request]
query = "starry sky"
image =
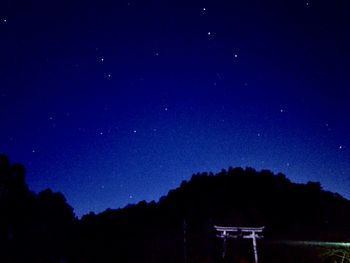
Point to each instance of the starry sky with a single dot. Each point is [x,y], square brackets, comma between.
[114,102]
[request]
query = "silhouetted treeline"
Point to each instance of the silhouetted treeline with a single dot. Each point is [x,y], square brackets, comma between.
[154,232]
[178,228]
[33,227]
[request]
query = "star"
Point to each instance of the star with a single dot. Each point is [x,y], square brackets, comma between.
[33,151]
[340,147]
[235,55]
[209,33]
[134,131]
[102,59]
[81,129]
[281,110]
[328,127]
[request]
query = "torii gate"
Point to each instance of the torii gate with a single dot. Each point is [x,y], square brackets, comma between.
[240,232]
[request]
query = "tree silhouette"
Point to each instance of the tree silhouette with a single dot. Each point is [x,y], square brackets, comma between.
[42,227]
[33,228]
[154,232]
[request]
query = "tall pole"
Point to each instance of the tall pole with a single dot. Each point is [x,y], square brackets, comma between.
[185,241]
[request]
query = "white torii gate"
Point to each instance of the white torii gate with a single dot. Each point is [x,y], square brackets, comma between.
[253,233]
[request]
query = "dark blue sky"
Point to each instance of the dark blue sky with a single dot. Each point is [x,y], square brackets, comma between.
[113,102]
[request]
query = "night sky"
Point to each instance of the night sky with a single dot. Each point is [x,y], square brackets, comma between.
[114,102]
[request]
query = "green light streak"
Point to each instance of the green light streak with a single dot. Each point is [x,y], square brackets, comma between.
[313,243]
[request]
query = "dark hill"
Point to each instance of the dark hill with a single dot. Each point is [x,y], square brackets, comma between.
[42,228]
[154,232]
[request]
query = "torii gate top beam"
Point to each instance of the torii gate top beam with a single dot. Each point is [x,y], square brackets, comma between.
[242,229]
[236,232]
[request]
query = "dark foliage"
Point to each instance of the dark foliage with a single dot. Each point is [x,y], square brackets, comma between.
[155,232]
[33,228]
[179,228]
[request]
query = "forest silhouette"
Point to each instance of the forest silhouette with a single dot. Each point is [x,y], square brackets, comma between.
[42,227]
